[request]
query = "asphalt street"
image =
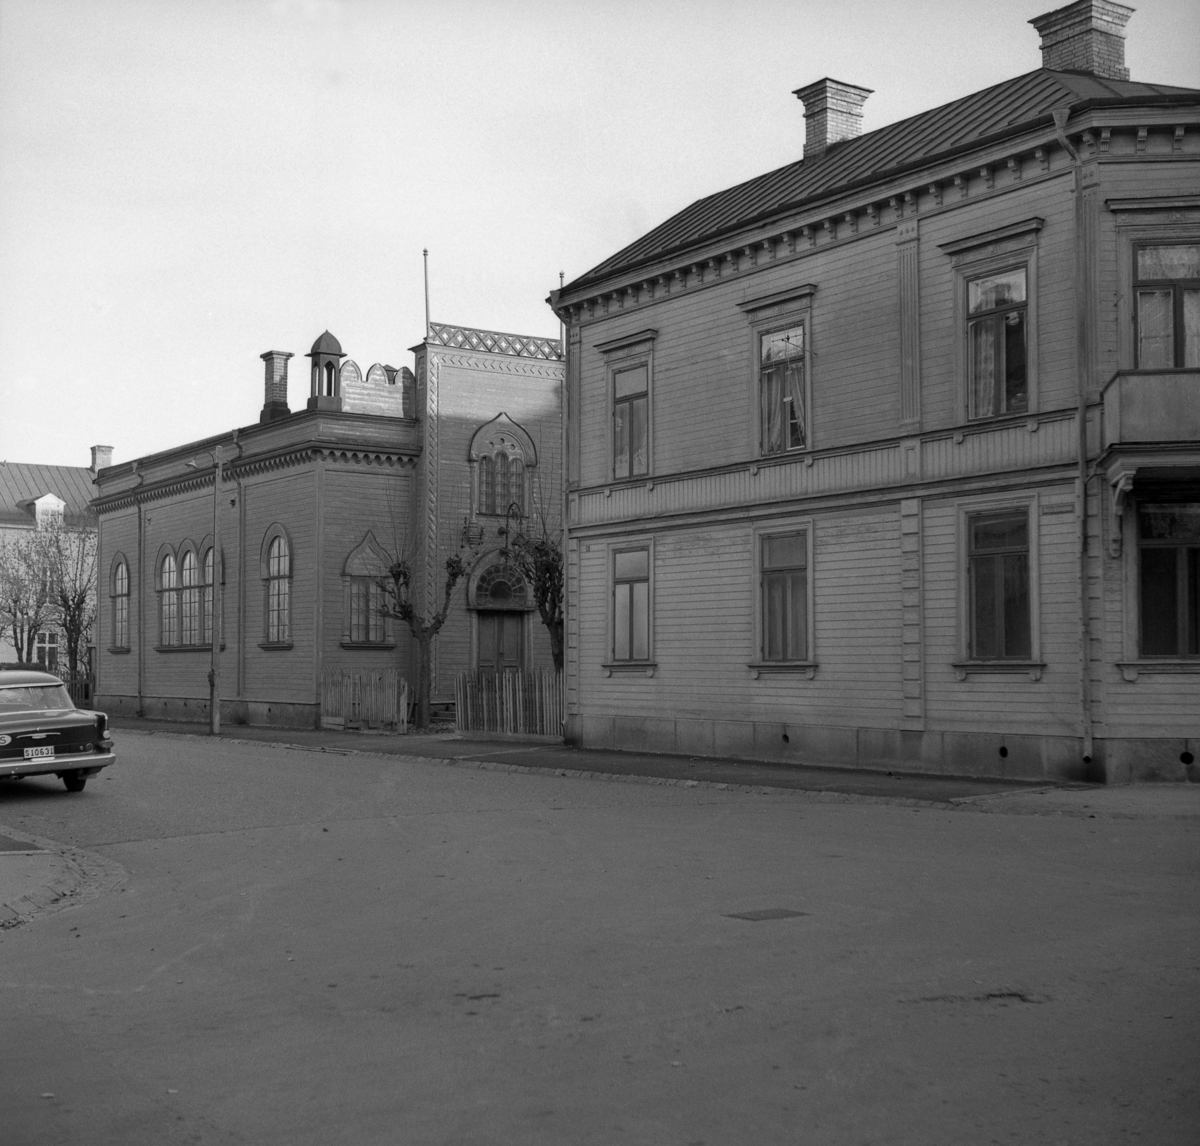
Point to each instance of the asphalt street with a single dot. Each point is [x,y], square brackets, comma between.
[303,947]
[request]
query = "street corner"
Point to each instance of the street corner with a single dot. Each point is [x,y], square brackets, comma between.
[39,875]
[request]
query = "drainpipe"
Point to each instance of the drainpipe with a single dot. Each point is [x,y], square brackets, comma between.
[1081,481]
[141,595]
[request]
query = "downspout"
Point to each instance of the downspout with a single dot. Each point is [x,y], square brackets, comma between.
[141,596]
[1061,116]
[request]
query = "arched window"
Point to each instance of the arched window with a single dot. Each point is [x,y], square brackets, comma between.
[503,453]
[190,599]
[277,582]
[168,602]
[206,597]
[329,383]
[366,568]
[120,604]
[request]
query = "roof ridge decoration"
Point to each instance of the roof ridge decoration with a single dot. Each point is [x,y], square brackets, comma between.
[493,341]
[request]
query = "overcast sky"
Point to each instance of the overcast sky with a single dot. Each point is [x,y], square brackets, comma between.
[185,184]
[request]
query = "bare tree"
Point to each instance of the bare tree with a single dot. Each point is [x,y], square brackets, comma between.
[26,600]
[536,550]
[398,602]
[70,562]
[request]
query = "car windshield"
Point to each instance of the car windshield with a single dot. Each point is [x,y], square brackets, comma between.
[34,698]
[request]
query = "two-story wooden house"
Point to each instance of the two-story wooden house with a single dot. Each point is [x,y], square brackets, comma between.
[311,509]
[890,458]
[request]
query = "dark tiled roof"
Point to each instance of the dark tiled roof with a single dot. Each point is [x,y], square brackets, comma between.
[1008,108]
[22,482]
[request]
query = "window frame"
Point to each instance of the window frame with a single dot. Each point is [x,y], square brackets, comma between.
[277,640]
[168,598]
[611,664]
[119,603]
[805,665]
[621,355]
[968,663]
[1182,610]
[766,315]
[993,316]
[1177,287]
[979,256]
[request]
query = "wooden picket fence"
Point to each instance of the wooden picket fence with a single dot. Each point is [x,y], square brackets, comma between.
[376,699]
[510,701]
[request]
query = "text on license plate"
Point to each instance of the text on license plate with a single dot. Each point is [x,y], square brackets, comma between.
[31,753]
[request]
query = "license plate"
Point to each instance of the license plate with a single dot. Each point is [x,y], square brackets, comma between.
[33,753]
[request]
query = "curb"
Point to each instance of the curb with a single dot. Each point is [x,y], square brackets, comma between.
[81,877]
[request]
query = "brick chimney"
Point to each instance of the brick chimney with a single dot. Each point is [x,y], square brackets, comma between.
[832,112]
[275,399]
[1087,36]
[101,457]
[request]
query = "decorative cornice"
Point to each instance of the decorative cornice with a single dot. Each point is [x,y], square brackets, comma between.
[1024,227]
[845,219]
[523,367]
[493,342]
[626,340]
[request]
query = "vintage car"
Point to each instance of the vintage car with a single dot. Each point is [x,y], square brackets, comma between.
[43,733]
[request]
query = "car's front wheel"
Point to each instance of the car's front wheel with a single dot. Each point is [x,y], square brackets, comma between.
[74,781]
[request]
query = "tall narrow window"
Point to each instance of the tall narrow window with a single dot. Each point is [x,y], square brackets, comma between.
[278,591]
[516,485]
[997,320]
[190,600]
[1169,568]
[503,475]
[168,602]
[631,605]
[631,422]
[781,384]
[998,572]
[1168,306]
[784,593]
[487,484]
[206,598]
[120,606]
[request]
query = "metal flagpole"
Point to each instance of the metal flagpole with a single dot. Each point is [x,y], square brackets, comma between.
[425,255]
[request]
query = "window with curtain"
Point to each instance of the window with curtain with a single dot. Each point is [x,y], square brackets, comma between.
[998,576]
[366,618]
[631,605]
[1167,280]
[997,321]
[784,597]
[631,422]
[781,386]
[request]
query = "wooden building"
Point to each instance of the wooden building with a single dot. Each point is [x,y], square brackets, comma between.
[890,458]
[311,509]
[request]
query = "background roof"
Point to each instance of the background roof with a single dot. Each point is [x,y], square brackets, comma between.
[22,482]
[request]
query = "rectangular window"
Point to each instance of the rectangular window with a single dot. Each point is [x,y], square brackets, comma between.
[1168,306]
[631,422]
[784,595]
[1169,581]
[998,574]
[631,605]
[781,386]
[366,619]
[997,332]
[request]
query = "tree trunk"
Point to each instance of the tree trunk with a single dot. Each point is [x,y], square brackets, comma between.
[555,629]
[424,679]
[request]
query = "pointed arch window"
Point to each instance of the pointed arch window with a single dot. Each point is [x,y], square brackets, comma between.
[365,622]
[206,597]
[503,453]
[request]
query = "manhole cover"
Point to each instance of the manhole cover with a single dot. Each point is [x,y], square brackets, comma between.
[766,913]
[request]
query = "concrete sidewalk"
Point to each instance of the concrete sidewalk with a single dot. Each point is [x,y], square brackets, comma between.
[38,874]
[841,784]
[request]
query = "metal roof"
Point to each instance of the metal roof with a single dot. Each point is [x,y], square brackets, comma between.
[1008,108]
[21,483]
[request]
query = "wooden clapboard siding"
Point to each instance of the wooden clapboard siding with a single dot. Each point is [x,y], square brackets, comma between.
[117,672]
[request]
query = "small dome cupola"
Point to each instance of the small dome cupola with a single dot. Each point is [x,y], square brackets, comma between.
[326,354]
